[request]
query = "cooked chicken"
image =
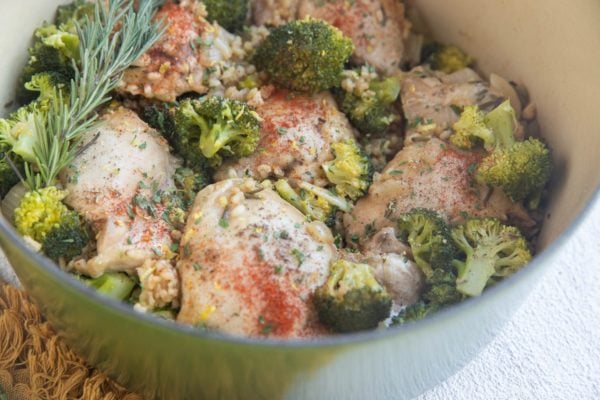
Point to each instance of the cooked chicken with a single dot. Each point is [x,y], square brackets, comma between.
[183,59]
[377,28]
[432,100]
[296,136]
[430,175]
[250,262]
[388,258]
[400,276]
[113,184]
[273,12]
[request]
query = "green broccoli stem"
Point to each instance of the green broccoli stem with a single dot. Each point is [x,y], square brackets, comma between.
[502,121]
[117,286]
[287,192]
[214,139]
[474,274]
[335,201]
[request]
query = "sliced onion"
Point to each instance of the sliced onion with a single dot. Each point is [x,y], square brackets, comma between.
[506,90]
[12,200]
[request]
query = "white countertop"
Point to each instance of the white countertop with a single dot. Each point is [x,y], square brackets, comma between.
[551,348]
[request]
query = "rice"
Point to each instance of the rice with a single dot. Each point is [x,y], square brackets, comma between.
[160,285]
[358,82]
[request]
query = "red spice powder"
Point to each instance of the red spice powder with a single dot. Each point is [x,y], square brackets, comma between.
[176,44]
[280,307]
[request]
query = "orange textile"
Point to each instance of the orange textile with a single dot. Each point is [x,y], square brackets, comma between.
[36,364]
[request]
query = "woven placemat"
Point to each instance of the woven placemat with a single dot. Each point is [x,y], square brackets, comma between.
[36,364]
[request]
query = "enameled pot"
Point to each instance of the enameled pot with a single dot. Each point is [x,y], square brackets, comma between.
[552,46]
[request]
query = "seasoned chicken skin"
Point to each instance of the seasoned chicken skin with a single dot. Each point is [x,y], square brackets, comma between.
[431,175]
[112,184]
[273,12]
[377,28]
[432,100]
[250,263]
[297,132]
[181,61]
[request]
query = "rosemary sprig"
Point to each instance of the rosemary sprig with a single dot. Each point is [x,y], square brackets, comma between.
[110,42]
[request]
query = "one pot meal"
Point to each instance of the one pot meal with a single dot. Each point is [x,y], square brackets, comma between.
[270,168]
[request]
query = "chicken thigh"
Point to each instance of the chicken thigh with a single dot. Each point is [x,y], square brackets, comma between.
[377,28]
[273,12]
[250,263]
[431,175]
[297,132]
[183,59]
[432,101]
[113,184]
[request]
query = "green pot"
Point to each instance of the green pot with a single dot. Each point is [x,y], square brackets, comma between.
[162,360]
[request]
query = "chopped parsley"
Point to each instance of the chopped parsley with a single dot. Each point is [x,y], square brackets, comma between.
[299,256]
[457,110]
[472,168]
[370,229]
[267,327]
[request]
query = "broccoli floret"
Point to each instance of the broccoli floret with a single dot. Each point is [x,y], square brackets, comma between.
[215,127]
[117,286]
[41,211]
[55,47]
[371,112]
[440,291]
[445,58]
[428,236]
[67,240]
[316,203]
[492,250]
[433,250]
[351,171]
[471,128]
[309,204]
[230,14]
[42,216]
[440,288]
[75,11]
[161,116]
[18,132]
[520,168]
[53,51]
[351,299]
[306,56]
[415,312]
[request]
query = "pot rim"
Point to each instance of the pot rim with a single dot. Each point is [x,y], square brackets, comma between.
[541,260]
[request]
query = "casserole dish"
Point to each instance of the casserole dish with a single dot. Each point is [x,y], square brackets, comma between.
[553,51]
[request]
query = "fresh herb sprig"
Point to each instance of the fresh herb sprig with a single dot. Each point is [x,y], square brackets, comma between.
[113,39]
